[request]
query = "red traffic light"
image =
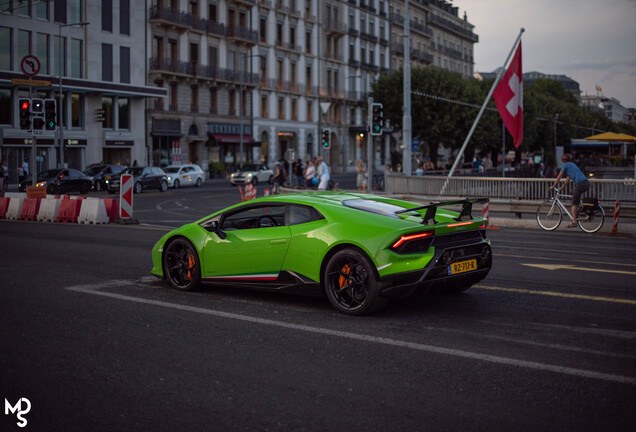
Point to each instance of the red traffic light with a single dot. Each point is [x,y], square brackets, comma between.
[25,105]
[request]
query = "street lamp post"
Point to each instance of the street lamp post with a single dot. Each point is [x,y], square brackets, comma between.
[60,107]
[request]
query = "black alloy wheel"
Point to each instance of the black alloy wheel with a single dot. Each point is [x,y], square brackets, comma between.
[181,265]
[85,188]
[351,284]
[138,188]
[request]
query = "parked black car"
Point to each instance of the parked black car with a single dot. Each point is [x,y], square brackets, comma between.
[143,178]
[98,171]
[59,180]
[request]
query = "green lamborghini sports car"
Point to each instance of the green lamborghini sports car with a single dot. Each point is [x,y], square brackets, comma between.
[358,250]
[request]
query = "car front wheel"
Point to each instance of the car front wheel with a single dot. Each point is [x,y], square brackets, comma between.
[181,265]
[164,186]
[177,184]
[84,188]
[351,284]
[138,188]
[199,182]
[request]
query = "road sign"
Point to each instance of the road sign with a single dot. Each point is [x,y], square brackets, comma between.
[30,82]
[126,196]
[30,65]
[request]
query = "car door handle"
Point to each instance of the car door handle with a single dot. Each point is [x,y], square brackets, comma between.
[278,241]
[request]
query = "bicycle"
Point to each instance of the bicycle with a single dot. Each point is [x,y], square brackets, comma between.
[590,216]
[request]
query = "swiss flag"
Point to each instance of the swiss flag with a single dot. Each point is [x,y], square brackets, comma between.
[508,97]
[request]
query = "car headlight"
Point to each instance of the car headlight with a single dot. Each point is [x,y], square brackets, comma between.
[249,175]
[232,175]
[169,178]
[41,184]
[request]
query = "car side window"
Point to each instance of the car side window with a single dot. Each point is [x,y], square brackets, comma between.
[299,214]
[255,217]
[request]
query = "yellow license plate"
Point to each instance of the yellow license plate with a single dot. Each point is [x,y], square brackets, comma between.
[462,266]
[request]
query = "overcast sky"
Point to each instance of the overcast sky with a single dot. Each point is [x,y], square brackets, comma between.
[591,41]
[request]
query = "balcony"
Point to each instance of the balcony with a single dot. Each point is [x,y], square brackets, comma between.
[335,28]
[242,35]
[183,21]
[368,37]
[246,3]
[421,28]
[455,28]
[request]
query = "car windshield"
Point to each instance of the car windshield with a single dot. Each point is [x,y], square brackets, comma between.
[49,173]
[251,167]
[135,171]
[171,169]
[374,207]
[93,170]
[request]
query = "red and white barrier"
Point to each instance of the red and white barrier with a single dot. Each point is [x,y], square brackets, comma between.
[617,210]
[126,197]
[93,211]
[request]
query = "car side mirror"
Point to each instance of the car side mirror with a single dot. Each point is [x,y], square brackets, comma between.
[216,228]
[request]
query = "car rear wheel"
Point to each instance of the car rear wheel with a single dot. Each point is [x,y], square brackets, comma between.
[84,188]
[177,184]
[98,186]
[181,265]
[138,188]
[51,189]
[351,284]
[199,182]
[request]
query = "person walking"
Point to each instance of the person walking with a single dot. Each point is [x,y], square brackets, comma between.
[361,178]
[25,167]
[323,174]
[581,185]
[310,173]
[278,178]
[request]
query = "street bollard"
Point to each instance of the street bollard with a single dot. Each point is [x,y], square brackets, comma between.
[617,210]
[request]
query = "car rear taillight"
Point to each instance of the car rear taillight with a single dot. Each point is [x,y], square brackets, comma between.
[413,243]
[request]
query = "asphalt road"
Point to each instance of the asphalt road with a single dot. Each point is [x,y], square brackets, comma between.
[546,342]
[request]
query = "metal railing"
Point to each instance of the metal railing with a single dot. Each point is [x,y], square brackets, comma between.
[606,190]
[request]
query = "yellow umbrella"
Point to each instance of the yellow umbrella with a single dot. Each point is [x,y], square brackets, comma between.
[612,136]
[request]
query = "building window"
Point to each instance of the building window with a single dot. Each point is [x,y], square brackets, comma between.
[308,80]
[310,111]
[6,107]
[124,17]
[279,34]
[123,113]
[107,62]
[42,50]
[294,110]
[281,108]
[212,57]
[281,74]
[76,110]
[194,98]
[212,12]
[77,13]
[264,110]
[172,101]
[77,54]
[107,15]
[107,106]
[213,101]
[232,103]
[157,48]
[124,65]
[24,43]
[194,53]
[292,38]
[243,103]
[263,29]
[5,48]
[21,8]
[174,54]
[60,56]
[59,11]
[41,10]
[292,73]
[308,42]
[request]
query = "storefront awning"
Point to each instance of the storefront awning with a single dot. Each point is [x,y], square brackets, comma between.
[232,139]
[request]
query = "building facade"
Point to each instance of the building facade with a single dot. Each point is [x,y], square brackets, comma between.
[609,106]
[268,76]
[86,50]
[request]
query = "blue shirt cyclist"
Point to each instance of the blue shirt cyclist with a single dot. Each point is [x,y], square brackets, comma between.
[581,185]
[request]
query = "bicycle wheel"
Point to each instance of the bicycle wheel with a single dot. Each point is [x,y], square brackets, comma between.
[549,215]
[590,218]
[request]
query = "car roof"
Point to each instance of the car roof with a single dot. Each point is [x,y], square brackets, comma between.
[319,197]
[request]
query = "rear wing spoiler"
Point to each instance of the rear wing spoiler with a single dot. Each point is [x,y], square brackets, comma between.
[431,209]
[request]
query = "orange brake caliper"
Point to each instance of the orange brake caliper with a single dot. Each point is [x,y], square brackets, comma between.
[190,265]
[343,280]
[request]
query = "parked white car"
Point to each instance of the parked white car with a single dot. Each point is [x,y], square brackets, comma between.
[254,174]
[184,175]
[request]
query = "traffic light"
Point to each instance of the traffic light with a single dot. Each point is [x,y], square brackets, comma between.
[50,114]
[25,113]
[36,106]
[38,123]
[376,119]
[326,134]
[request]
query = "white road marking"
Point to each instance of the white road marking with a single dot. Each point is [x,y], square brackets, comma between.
[96,289]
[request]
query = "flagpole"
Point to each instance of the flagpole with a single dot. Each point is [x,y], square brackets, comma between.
[481,111]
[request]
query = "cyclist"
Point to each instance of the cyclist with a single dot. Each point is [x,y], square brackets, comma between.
[581,185]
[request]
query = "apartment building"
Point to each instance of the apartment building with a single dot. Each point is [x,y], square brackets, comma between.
[92,46]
